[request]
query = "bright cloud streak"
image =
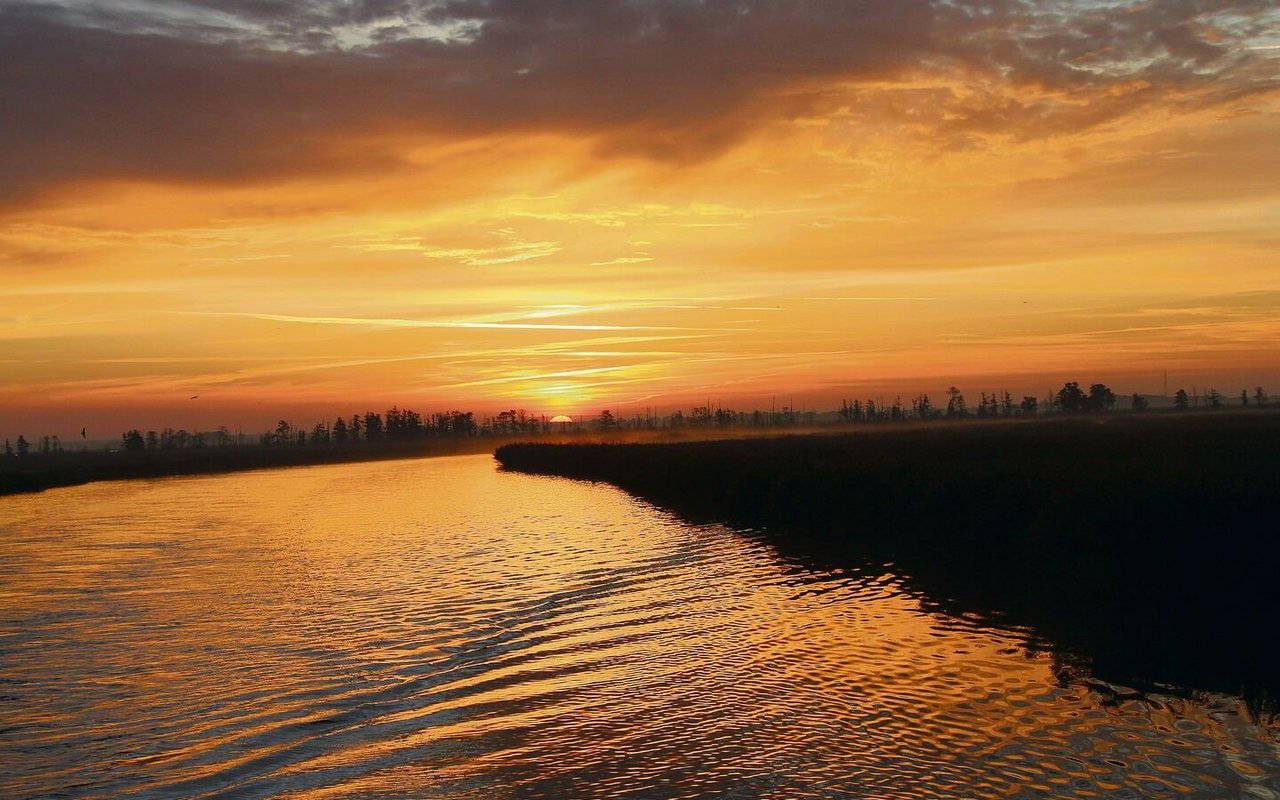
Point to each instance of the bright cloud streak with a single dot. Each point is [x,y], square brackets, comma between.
[420,323]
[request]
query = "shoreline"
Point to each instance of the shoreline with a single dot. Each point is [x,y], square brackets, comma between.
[1144,543]
[37,473]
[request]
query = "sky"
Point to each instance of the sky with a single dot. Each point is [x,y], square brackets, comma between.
[227,212]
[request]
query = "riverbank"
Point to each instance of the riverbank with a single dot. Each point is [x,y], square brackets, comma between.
[1149,542]
[36,473]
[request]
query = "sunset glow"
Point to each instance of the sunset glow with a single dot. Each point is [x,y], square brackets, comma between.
[565,207]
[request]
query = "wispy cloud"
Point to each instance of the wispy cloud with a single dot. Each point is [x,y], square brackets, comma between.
[523,377]
[493,256]
[869,299]
[622,260]
[390,322]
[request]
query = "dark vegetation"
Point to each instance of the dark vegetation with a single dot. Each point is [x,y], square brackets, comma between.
[401,433]
[396,433]
[71,468]
[1146,544]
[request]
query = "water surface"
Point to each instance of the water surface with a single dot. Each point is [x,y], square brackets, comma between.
[438,628]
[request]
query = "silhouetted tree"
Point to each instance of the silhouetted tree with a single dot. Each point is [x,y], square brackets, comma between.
[1071,398]
[1029,404]
[340,431]
[462,423]
[320,434]
[1244,397]
[606,420]
[133,441]
[895,411]
[700,416]
[24,446]
[8,449]
[1101,398]
[283,432]
[1214,398]
[505,422]
[1138,402]
[1180,400]
[356,426]
[1259,396]
[402,424]
[372,426]
[955,403]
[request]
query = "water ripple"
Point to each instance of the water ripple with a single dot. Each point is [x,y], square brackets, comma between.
[440,629]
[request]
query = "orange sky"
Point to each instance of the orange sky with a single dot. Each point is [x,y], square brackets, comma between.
[563,207]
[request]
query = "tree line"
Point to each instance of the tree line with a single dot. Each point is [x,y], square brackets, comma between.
[405,425]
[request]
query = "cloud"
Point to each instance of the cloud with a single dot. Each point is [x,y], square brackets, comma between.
[493,256]
[621,260]
[390,322]
[249,89]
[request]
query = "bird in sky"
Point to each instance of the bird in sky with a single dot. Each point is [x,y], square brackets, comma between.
[83,433]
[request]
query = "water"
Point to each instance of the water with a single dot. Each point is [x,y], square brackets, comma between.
[439,629]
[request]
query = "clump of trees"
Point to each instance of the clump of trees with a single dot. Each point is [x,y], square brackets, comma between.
[1074,400]
[394,425]
[1213,399]
[133,441]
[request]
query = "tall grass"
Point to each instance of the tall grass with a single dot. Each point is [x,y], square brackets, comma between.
[1149,544]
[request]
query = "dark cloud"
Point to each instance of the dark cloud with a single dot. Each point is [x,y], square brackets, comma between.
[205,91]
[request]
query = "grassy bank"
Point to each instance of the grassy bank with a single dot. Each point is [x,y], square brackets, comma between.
[49,470]
[1149,543]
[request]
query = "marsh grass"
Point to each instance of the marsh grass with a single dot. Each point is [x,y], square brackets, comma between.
[1147,544]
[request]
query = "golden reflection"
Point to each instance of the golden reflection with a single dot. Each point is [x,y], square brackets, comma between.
[430,625]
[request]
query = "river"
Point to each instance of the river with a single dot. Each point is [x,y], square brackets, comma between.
[441,629]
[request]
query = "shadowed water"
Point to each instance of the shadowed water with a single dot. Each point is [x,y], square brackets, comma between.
[437,628]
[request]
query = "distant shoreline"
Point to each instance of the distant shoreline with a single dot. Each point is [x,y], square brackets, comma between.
[36,473]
